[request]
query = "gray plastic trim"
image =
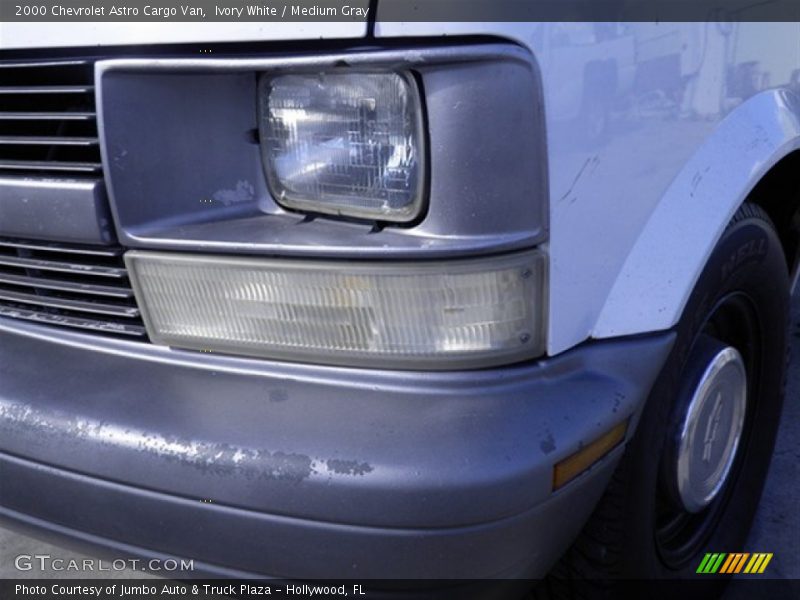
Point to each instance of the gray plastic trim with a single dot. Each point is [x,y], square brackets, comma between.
[64,210]
[182,174]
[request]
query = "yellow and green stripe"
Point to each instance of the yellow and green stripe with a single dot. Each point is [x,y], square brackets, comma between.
[729,563]
[711,562]
[758,563]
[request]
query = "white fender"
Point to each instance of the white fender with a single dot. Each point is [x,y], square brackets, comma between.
[655,282]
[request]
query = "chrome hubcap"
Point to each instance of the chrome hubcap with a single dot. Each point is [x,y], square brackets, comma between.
[711,430]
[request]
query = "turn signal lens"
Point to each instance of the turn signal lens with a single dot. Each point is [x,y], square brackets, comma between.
[447,315]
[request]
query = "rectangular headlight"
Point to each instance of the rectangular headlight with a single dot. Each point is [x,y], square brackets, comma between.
[457,314]
[344,143]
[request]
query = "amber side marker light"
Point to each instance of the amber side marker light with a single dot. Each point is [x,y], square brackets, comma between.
[575,464]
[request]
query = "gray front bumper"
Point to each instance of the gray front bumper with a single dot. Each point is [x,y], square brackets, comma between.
[297,471]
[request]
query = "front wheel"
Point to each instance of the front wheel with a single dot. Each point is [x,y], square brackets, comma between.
[691,477]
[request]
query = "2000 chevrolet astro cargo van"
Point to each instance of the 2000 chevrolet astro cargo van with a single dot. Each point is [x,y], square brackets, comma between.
[419,300]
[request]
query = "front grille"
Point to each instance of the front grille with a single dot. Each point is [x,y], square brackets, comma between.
[80,287]
[47,118]
[48,129]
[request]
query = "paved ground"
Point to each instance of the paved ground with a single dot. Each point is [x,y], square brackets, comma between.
[777,526]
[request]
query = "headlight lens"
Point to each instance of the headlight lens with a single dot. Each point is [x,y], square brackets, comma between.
[456,314]
[343,143]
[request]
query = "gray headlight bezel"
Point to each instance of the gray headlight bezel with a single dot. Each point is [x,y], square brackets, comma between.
[487,175]
[409,213]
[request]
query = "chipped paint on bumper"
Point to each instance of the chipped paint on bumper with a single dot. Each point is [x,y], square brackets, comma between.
[404,474]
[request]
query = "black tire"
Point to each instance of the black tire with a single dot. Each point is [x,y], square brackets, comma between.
[620,541]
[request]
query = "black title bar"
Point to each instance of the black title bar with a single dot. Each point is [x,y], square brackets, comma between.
[396,10]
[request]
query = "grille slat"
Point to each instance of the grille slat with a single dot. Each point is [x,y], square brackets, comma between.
[47,116]
[48,122]
[46,89]
[76,305]
[123,329]
[68,285]
[63,267]
[41,64]
[33,165]
[48,141]
[71,249]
